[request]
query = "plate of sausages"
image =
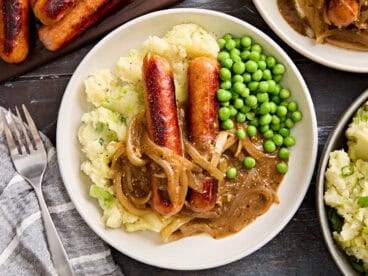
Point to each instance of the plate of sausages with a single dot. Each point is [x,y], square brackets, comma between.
[330,32]
[200,152]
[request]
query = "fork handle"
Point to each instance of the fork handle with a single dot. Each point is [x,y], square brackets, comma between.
[58,254]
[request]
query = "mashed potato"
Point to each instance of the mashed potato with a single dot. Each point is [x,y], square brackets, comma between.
[116,96]
[347,188]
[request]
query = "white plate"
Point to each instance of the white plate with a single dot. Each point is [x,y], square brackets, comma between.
[202,251]
[325,54]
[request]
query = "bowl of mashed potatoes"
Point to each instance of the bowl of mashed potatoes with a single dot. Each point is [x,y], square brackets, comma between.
[342,190]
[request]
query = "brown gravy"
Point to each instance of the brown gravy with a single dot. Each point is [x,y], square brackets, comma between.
[290,14]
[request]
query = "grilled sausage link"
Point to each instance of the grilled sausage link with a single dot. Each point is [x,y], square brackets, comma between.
[51,11]
[80,18]
[342,13]
[162,124]
[14,30]
[203,83]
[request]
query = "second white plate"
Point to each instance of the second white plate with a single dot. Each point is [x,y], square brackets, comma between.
[325,54]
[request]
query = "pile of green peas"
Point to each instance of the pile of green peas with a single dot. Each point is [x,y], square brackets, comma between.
[250,91]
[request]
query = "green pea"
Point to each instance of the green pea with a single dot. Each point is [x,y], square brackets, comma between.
[245,55]
[233,110]
[255,56]
[267,75]
[225,103]
[269,146]
[223,55]
[221,43]
[284,103]
[277,78]
[289,141]
[264,108]
[275,127]
[277,89]
[284,93]
[246,41]
[226,85]
[227,63]
[238,103]
[276,99]
[296,116]
[225,74]
[247,77]
[239,87]
[240,133]
[284,132]
[253,85]
[278,139]
[245,109]
[263,86]
[231,173]
[281,111]
[278,69]
[238,78]
[251,101]
[262,97]
[264,128]
[284,153]
[254,122]
[235,57]
[262,57]
[235,51]
[245,93]
[227,36]
[224,113]
[250,116]
[262,65]
[275,120]
[289,123]
[238,67]
[271,86]
[234,96]
[240,117]
[251,130]
[268,134]
[282,119]
[227,124]
[223,95]
[273,107]
[230,44]
[265,119]
[237,42]
[257,75]
[292,106]
[249,162]
[271,62]
[256,48]
[251,66]
[282,167]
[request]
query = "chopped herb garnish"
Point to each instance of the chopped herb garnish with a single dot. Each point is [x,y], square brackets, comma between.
[100,127]
[363,201]
[123,119]
[347,170]
[334,219]
[101,141]
[357,264]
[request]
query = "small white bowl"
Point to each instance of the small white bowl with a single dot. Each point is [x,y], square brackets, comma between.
[336,141]
[198,252]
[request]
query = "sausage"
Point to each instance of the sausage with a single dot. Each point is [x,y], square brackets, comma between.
[203,83]
[80,18]
[342,13]
[51,11]
[162,124]
[14,30]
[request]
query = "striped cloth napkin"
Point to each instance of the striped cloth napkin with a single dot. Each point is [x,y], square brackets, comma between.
[23,247]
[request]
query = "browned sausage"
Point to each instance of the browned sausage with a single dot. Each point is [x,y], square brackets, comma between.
[51,11]
[162,123]
[14,30]
[203,83]
[80,18]
[342,13]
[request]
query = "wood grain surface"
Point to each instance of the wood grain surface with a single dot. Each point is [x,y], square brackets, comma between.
[299,249]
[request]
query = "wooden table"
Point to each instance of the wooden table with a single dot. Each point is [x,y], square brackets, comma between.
[299,248]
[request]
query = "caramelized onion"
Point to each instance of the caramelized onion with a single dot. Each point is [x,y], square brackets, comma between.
[135,130]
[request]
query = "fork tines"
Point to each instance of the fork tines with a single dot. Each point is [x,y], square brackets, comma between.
[22,144]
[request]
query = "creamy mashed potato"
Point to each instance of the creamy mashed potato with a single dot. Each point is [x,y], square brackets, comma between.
[347,188]
[116,96]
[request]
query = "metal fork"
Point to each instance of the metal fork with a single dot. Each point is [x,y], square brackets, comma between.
[30,161]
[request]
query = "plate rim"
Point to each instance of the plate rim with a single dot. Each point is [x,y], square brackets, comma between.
[301,50]
[310,106]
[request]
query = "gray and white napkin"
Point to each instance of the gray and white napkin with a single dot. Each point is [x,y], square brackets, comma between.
[23,246]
